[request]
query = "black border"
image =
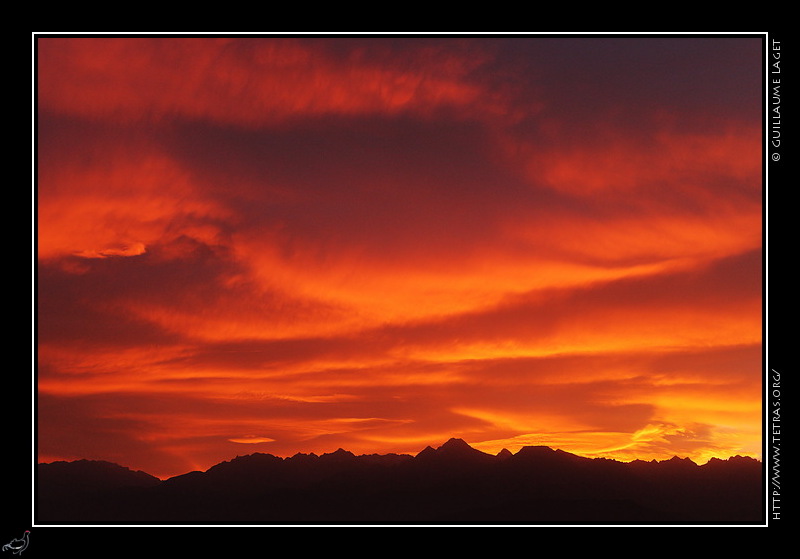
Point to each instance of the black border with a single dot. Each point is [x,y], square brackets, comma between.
[776,332]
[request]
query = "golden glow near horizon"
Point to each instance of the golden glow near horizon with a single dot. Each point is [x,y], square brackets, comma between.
[294,245]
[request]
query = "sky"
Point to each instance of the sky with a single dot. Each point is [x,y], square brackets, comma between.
[377,243]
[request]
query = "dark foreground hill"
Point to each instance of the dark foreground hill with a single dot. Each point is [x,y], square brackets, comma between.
[453,484]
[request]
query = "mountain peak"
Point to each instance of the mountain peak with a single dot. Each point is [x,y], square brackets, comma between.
[535,451]
[427,451]
[549,455]
[504,454]
[95,473]
[455,444]
[339,454]
[303,456]
[454,449]
[678,460]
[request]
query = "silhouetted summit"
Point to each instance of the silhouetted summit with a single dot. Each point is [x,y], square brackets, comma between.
[504,454]
[455,445]
[454,450]
[547,455]
[341,455]
[451,484]
[92,474]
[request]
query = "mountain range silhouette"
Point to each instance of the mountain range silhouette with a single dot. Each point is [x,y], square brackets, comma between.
[453,484]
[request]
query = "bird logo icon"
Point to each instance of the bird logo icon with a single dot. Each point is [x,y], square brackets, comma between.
[17,546]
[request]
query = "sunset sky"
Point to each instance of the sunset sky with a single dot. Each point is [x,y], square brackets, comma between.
[290,245]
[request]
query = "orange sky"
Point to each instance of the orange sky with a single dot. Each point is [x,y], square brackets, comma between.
[297,244]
